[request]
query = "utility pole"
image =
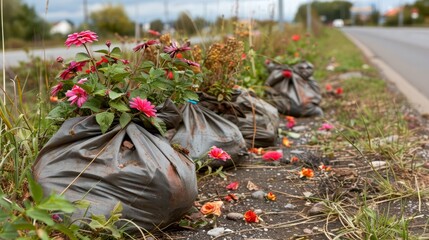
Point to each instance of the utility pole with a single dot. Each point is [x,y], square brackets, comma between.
[401,15]
[309,16]
[281,20]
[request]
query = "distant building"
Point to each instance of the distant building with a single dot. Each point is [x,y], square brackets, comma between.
[62,27]
[361,14]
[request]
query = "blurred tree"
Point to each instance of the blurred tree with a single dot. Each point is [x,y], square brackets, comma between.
[157,25]
[184,24]
[112,19]
[22,22]
[328,11]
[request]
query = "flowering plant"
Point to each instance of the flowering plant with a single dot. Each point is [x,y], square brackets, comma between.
[111,86]
[223,63]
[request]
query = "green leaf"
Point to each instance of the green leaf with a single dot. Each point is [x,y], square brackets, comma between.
[63,229]
[35,189]
[104,51]
[104,119]
[87,88]
[8,231]
[114,95]
[82,57]
[100,92]
[190,95]
[117,209]
[147,64]
[119,106]
[57,203]
[42,234]
[61,111]
[116,52]
[165,56]
[94,104]
[158,124]
[293,135]
[138,93]
[41,215]
[124,119]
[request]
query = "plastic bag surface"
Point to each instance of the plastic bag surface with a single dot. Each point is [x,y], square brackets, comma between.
[155,184]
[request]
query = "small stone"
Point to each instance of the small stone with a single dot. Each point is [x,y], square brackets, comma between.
[297,152]
[378,164]
[258,194]
[258,211]
[316,209]
[308,231]
[307,194]
[227,230]
[290,206]
[351,165]
[426,165]
[234,216]
[265,229]
[299,128]
[216,231]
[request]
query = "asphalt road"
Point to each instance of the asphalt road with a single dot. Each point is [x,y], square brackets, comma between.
[405,50]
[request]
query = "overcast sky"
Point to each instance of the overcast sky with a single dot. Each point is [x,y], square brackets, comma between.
[147,10]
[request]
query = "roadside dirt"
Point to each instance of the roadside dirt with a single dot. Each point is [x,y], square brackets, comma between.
[299,211]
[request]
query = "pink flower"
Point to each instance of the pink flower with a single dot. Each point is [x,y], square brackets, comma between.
[144,106]
[108,43]
[60,59]
[56,89]
[190,63]
[144,45]
[326,127]
[328,87]
[175,49]
[82,81]
[272,156]
[77,96]
[81,38]
[218,154]
[233,186]
[154,33]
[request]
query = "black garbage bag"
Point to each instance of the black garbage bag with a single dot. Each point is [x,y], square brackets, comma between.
[155,184]
[293,91]
[201,129]
[257,120]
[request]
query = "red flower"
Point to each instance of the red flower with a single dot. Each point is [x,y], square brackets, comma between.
[56,89]
[233,186]
[81,38]
[179,55]
[72,68]
[258,151]
[102,60]
[328,87]
[154,33]
[287,73]
[296,37]
[267,61]
[60,59]
[294,159]
[175,49]
[325,168]
[251,217]
[243,56]
[339,91]
[144,106]
[77,96]
[108,43]
[218,154]
[169,74]
[272,156]
[144,45]
[231,197]
[290,121]
[306,172]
